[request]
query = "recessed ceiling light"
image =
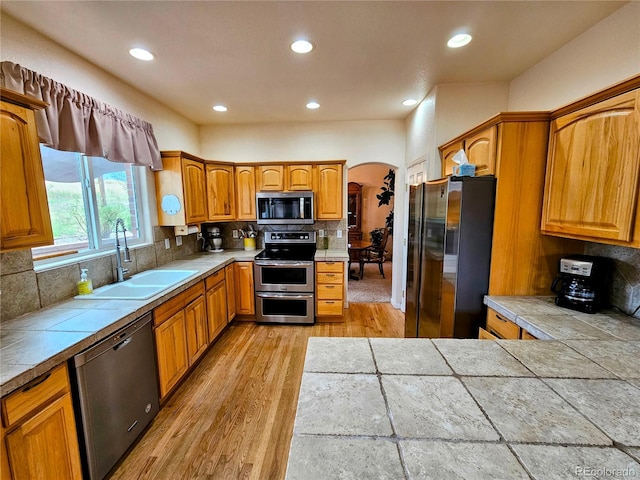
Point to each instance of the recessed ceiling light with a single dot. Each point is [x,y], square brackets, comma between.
[302,46]
[409,102]
[459,40]
[220,108]
[313,105]
[142,54]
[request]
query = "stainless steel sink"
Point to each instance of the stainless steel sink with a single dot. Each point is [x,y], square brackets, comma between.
[141,286]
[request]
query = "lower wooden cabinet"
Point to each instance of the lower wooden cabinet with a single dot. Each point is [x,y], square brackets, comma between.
[230,285]
[216,295]
[244,288]
[39,430]
[181,335]
[330,289]
[501,328]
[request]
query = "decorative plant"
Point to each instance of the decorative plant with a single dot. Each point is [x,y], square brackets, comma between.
[385,197]
[376,236]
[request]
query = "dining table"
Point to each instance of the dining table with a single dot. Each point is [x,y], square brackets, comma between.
[355,248]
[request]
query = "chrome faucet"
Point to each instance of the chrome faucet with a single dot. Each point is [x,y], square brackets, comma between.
[120,270]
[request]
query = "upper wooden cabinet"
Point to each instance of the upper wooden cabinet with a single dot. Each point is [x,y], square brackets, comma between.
[480,148]
[24,220]
[181,190]
[220,192]
[270,178]
[328,198]
[592,185]
[298,177]
[245,192]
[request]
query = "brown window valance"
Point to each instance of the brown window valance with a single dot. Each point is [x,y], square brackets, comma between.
[76,122]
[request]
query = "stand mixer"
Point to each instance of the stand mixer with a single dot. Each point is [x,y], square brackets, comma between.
[214,239]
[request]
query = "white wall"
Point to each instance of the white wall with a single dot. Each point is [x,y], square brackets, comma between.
[380,141]
[24,46]
[607,53]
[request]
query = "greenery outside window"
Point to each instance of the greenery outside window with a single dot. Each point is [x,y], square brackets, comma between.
[86,195]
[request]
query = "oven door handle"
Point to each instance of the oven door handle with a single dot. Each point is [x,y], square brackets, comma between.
[284,264]
[284,295]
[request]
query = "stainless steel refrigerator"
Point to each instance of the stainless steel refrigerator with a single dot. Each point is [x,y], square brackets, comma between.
[450,234]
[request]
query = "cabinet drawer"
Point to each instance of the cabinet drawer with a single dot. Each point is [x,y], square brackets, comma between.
[34,395]
[329,278]
[527,336]
[501,327]
[330,292]
[484,335]
[165,311]
[329,307]
[214,279]
[192,293]
[336,267]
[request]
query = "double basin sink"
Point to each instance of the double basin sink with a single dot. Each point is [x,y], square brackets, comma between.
[140,286]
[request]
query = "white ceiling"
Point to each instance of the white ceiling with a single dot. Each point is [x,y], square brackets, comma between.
[369,56]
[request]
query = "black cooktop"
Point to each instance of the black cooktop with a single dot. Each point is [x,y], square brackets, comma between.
[282,252]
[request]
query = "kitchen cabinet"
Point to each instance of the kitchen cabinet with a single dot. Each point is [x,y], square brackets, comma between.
[245,192]
[270,178]
[181,190]
[220,196]
[329,190]
[39,430]
[230,285]
[330,290]
[244,288]
[592,186]
[480,148]
[216,295]
[523,260]
[24,218]
[501,327]
[298,177]
[181,335]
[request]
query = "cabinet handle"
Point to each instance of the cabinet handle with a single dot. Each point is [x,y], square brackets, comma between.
[496,334]
[500,318]
[330,286]
[36,382]
[329,302]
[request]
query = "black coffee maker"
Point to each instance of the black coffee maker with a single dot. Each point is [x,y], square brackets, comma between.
[582,282]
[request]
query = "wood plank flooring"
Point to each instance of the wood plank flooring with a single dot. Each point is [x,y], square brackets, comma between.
[233,417]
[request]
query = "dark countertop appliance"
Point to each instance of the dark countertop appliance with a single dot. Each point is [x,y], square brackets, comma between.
[582,282]
[285,278]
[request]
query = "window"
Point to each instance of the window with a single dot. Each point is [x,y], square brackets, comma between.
[86,195]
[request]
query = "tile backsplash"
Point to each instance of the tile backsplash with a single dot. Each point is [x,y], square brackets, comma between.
[23,290]
[624,290]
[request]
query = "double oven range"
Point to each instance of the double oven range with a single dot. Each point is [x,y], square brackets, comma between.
[284,278]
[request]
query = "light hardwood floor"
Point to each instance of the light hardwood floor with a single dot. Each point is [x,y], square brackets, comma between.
[233,417]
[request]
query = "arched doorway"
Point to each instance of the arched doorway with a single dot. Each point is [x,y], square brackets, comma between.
[371,203]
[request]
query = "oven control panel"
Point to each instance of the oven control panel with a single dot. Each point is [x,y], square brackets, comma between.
[306,237]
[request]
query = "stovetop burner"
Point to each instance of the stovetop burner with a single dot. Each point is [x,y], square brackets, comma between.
[288,246]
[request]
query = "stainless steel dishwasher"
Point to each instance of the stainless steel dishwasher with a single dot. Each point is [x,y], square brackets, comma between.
[117,392]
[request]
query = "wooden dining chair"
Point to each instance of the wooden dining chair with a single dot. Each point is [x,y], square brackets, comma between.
[376,253]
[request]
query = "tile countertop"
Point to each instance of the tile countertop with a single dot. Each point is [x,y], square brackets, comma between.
[32,344]
[474,409]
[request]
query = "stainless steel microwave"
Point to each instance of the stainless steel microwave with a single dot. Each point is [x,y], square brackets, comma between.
[290,208]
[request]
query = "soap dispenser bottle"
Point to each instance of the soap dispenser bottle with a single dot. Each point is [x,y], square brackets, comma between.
[85,285]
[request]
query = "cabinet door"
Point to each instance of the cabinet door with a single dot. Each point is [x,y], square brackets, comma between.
[329,192]
[220,192]
[217,309]
[245,300]
[171,349]
[46,445]
[299,177]
[194,182]
[447,158]
[245,193]
[270,178]
[593,168]
[197,334]
[481,150]
[230,284]
[25,220]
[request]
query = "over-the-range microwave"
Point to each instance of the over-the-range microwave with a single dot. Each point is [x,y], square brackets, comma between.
[284,208]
